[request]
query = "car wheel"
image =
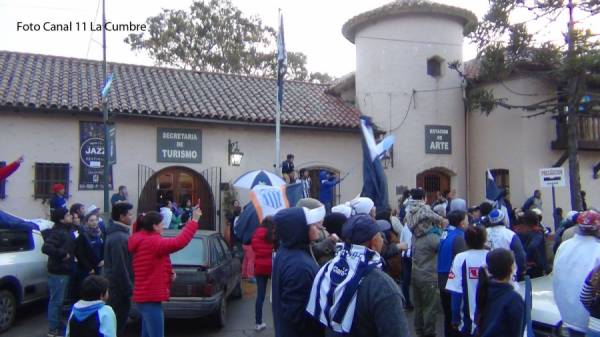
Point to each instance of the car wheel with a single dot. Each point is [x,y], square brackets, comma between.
[236,294]
[8,309]
[220,316]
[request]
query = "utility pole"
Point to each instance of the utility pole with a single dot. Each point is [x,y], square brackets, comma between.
[574,96]
[105,113]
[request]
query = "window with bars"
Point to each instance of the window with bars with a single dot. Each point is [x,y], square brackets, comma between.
[501,177]
[2,183]
[48,174]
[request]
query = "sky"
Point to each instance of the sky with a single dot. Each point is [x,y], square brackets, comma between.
[311,26]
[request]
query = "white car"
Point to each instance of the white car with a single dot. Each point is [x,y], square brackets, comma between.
[23,273]
[544,312]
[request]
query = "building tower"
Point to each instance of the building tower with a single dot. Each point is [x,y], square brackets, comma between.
[403,82]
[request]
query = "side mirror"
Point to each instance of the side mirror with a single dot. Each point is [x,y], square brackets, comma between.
[237,252]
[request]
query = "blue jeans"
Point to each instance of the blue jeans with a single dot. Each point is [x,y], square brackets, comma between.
[153,324]
[57,286]
[261,290]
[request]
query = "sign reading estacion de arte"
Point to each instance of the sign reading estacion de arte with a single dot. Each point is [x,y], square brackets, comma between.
[438,139]
[179,145]
[91,157]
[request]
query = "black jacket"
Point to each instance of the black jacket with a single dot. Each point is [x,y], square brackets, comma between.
[58,242]
[379,309]
[117,260]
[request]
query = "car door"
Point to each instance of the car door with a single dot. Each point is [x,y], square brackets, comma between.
[219,270]
[228,261]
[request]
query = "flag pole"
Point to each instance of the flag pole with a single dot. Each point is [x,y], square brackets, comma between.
[281,69]
[105,116]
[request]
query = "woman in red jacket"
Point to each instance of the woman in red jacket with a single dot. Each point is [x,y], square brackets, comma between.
[262,245]
[152,268]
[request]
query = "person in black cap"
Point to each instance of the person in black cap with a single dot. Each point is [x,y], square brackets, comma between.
[370,302]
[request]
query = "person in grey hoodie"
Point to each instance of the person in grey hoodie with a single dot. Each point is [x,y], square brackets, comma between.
[117,263]
[426,227]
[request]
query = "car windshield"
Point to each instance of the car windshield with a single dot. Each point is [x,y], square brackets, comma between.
[194,254]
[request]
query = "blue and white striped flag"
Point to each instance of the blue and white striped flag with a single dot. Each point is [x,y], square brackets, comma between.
[281,62]
[107,85]
[374,179]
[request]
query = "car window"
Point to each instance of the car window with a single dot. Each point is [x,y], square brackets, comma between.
[194,254]
[215,253]
[15,241]
[225,247]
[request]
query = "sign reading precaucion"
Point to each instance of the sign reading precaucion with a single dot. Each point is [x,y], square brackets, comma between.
[553,176]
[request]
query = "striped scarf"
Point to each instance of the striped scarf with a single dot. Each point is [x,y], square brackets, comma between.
[334,291]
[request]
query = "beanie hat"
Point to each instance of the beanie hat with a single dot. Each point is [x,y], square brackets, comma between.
[496,216]
[90,209]
[458,205]
[362,205]
[309,203]
[572,216]
[359,229]
[588,221]
[334,222]
[58,187]
[343,209]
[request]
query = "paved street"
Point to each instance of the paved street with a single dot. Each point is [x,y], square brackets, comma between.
[31,322]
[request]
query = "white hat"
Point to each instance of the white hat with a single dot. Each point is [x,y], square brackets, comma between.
[342,208]
[90,209]
[362,205]
[314,215]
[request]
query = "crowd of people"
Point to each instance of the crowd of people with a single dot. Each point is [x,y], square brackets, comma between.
[349,269]
[355,270]
[96,270]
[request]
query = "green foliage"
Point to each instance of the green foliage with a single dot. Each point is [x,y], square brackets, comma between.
[214,35]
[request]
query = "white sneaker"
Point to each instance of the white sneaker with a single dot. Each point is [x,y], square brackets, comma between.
[260,327]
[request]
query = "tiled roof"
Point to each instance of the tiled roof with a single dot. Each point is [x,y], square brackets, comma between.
[50,82]
[405,7]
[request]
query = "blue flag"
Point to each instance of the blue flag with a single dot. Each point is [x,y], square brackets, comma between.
[281,62]
[107,85]
[492,191]
[374,179]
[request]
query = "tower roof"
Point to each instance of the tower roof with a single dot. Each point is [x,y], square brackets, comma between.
[407,7]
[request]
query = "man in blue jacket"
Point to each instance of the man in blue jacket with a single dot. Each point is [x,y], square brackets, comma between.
[294,270]
[328,182]
[452,243]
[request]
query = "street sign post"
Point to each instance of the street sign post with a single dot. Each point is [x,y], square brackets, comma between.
[553,177]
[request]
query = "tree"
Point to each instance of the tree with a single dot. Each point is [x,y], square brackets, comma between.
[505,45]
[215,36]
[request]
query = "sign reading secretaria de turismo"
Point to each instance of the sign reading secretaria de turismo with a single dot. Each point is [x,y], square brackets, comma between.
[178,145]
[438,139]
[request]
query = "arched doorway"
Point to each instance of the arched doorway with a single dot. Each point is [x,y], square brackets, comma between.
[179,184]
[314,173]
[433,181]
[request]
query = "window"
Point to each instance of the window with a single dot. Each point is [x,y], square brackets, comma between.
[194,254]
[434,66]
[216,256]
[501,178]
[2,183]
[48,174]
[15,240]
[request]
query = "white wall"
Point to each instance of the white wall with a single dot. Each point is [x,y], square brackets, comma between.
[505,139]
[391,59]
[55,138]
